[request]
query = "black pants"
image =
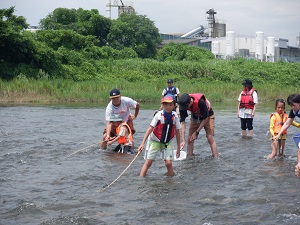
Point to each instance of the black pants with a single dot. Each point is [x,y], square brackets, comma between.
[247,123]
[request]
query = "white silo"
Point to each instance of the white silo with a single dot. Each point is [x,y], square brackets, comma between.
[230,43]
[215,48]
[270,49]
[259,52]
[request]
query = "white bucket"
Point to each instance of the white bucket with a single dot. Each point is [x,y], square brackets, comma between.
[181,157]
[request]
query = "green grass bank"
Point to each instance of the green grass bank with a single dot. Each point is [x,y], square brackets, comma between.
[97,91]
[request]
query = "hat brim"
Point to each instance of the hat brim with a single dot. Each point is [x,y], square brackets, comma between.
[167,101]
[115,96]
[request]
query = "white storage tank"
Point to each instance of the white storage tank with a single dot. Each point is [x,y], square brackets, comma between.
[270,46]
[259,52]
[270,49]
[230,43]
[215,47]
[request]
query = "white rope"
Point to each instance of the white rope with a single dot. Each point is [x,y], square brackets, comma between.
[104,188]
[80,150]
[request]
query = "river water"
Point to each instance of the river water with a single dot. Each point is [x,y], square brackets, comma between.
[51,169]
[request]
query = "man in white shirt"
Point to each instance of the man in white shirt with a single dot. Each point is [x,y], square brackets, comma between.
[118,105]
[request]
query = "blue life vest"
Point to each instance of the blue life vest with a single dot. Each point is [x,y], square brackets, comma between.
[171,91]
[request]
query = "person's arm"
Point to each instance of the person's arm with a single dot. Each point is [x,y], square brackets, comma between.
[239,102]
[285,126]
[136,111]
[272,123]
[182,130]
[178,93]
[253,110]
[178,142]
[108,130]
[205,117]
[113,140]
[183,116]
[148,132]
[255,99]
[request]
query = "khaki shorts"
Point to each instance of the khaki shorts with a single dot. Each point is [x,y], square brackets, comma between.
[156,147]
[209,126]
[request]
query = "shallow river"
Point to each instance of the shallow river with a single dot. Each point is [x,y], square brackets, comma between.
[51,169]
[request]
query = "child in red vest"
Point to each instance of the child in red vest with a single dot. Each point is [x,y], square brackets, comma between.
[248,100]
[276,122]
[164,127]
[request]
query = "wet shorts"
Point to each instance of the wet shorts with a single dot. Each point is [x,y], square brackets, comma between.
[282,137]
[157,147]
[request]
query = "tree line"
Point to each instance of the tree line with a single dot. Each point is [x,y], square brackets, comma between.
[80,45]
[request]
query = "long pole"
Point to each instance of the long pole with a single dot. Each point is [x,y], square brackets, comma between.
[104,188]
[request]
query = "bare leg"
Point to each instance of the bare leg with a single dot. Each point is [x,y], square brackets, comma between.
[190,147]
[145,167]
[244,133]
[281,147]
[274,149]
[169,168]
[213,145]
[250,133]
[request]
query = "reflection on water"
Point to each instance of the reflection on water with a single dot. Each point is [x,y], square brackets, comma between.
[39,184]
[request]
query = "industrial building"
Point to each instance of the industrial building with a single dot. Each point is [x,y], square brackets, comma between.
[226,44]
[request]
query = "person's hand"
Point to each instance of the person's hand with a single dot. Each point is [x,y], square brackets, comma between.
[141,147]
[182,144]
[252,114]
[177,153]
[297,170]
[109,143]
[194,136]
[238,114]
[276,137]
[108,138]
[132,116]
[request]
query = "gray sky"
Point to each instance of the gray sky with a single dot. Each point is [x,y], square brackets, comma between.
[277,18]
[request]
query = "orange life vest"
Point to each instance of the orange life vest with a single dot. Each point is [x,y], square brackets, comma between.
[164,131]
[247,100]
[195,107]
[279,121]
[124,140]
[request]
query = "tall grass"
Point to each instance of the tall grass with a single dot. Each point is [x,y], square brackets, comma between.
[97,91]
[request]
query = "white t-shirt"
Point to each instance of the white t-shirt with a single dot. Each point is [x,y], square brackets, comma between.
[242,113]
[123,109]
[157,118]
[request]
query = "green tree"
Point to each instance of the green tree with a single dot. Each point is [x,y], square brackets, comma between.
[13,45]
[85,22]
[65,38]
[179,52]
[136,32]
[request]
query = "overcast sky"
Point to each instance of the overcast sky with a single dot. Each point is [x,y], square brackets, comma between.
[277,18]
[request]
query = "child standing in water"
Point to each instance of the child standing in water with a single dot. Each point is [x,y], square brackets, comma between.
[246,107]
[164,127]
[277,120]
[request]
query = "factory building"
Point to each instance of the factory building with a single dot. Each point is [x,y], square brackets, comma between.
[226,44]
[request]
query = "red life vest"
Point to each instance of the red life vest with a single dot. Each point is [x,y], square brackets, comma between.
[279,121]
[247,100]
[124,140]
[164,131]
[195,107]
